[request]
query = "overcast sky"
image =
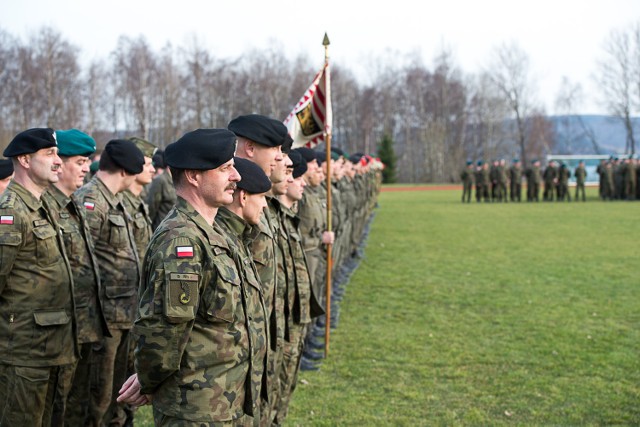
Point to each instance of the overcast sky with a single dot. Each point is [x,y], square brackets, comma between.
[561,37]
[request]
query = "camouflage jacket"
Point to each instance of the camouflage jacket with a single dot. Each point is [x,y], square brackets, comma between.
[313,221]
[161,197]
[110,227]
[239,234]
[92,325]
[194,350]
[301,301]
[37,320]
[141,226]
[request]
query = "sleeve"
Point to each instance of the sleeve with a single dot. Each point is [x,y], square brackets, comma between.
[10,241]
[169,299]
[95,216]
[153,199]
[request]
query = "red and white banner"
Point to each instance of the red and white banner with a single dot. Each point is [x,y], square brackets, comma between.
[310,121]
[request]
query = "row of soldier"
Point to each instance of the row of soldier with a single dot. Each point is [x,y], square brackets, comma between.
[204,313]
[492,182]
[618,179]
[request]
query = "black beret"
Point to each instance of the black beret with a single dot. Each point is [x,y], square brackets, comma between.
[30,141]
[355,158]
[201,149]
[299,164]
[287,144]
[125,154]
[321,157]
[253,180]
[307,153]
[260,129]
[6,168]
[158,159]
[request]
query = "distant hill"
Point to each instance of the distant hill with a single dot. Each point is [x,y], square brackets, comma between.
[592,134]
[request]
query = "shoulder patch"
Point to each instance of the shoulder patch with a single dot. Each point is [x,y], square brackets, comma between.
[184,251]
[89,205]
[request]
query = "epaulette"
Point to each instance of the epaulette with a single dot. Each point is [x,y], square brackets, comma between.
[7,200]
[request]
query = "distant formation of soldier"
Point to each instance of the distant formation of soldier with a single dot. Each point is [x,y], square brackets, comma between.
[617,181]
[192,279]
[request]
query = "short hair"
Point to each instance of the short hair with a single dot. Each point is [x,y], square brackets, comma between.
[177,176]
[108,165]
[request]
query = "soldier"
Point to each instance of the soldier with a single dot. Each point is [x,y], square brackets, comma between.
[301,303]
[600,170]
[563,182]
[261,140]
[161,196]
[502,174]
[550,177]
[237,220]
[480,182]
[74,147]
[618,179]
[6,173]
[533,181]
[117,255]
[581,176]
[630,178]
[196,354]
[609,186]
[467,181]
[515,180]
[38,347]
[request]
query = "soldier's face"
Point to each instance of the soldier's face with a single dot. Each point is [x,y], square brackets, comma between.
[267,157]
[296,188]
[44,165]
[73,171]
[148,172]
[281,187]
[278,172]
[254,205]
[218,185]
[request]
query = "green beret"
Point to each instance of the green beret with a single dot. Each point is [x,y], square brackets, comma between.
[253,179]
[201,149]
[30,141]
[260,129]
[94,166]
[147,148]
[125,154]
[299,164]
[6,168]
[72,142]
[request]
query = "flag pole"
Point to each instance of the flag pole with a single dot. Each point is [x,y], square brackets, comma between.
[327,130]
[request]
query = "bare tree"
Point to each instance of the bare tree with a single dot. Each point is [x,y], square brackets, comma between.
[509,72]
[618,77]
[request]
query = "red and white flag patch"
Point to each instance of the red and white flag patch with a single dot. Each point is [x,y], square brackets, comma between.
[89,205]
[184,251]
[6,219]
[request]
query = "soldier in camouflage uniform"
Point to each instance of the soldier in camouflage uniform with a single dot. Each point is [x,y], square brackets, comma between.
[481,184]
[533,181]
[111,232]
[38,341]
[630,178]
[563,183]
[6,173]
[198,344]
[74,147]
[581,176]
[467,176]
[301,303]
[261,140]
[515,181]
[550,177]
[237,220]
[161,196]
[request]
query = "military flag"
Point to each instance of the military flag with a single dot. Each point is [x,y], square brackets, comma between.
[309,122]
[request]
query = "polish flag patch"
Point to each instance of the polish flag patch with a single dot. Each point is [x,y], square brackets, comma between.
[184,251]
[89,205]
[6,219]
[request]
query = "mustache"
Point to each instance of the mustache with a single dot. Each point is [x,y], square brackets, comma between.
[55,168]
[231,186]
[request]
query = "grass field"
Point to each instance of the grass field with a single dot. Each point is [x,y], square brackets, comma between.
[486,314]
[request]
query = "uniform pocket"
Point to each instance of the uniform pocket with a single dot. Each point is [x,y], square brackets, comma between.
[47,250]
[224,300]
[118,237]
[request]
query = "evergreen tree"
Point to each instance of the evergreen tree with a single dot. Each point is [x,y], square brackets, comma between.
[388,157]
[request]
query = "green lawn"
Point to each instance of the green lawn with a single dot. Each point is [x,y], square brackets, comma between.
[485,314]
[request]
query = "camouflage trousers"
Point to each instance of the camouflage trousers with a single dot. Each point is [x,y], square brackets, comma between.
[34,397]
[79,399]
[289,370]
[108,374]
[122,414]
[162,420]
[274,364]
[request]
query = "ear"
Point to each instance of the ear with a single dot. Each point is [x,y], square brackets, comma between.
[24,160]
[250,149]
[242,197]
[192,177]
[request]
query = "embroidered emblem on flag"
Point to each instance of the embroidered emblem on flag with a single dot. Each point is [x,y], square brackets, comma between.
[6,219]
[184,251]
[89,205]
